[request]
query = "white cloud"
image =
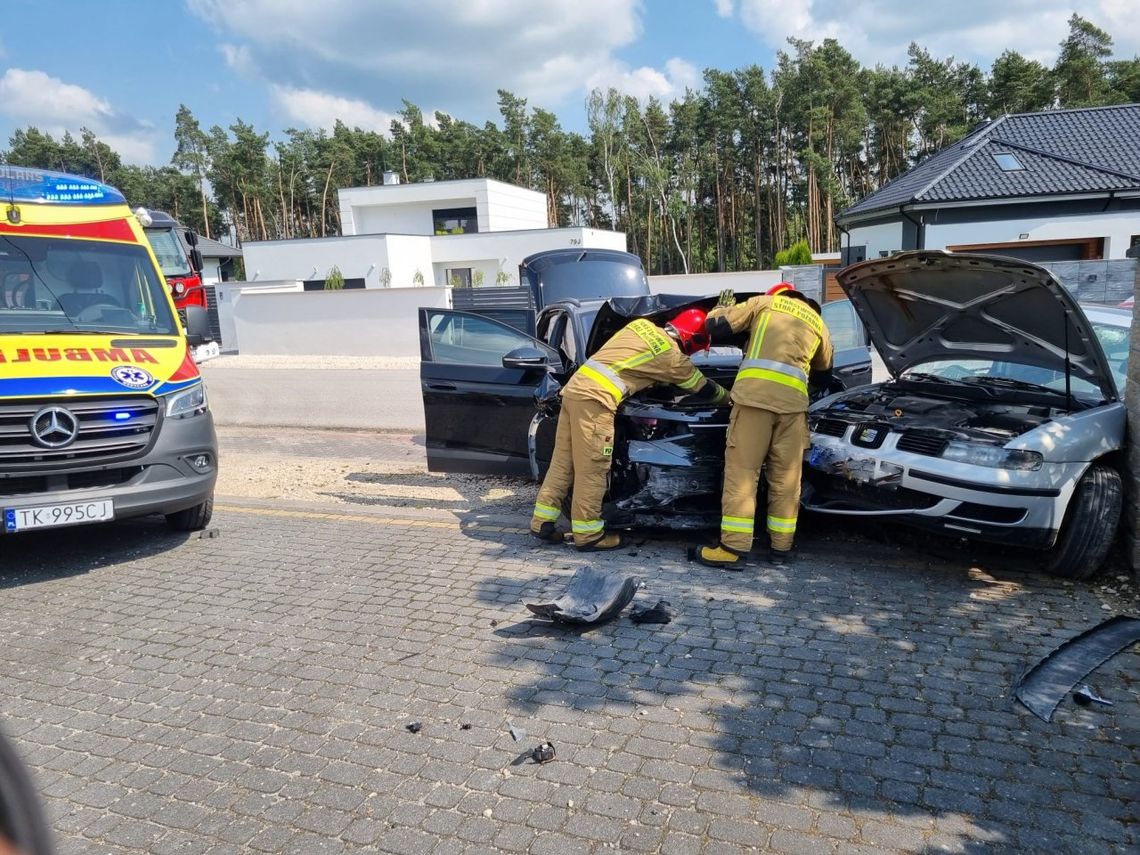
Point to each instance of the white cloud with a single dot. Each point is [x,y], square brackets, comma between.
[30,97]
[723,8]
[645,82]
[454,55]
[880,31]
[315,109]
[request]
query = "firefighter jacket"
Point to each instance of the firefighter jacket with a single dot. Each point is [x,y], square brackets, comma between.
[638,356]
[788,340]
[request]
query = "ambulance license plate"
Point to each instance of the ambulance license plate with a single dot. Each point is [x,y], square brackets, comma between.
[46,516]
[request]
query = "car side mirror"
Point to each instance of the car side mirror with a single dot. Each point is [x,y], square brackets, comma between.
[196,259]
[197,326]
[191,237]
[526,359]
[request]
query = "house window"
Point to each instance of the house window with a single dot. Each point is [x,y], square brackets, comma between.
[1008,162]
[455,221]
[459,277]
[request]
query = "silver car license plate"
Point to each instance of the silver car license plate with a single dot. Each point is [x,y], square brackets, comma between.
[47,516]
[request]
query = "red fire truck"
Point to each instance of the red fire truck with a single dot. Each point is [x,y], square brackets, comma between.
[176,248]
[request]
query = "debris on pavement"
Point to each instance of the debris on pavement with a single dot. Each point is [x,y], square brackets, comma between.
[517,733]
[1046,683]
[660,613]
[543,753]
[591,597]
[465,726]
[1085,695]
[413,727]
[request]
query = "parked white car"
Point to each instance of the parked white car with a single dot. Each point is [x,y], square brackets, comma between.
[1002,420]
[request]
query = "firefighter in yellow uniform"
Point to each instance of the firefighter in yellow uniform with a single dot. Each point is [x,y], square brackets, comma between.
[768,426]
[638,356]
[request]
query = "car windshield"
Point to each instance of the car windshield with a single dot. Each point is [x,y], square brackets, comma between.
[1113,341]
[66,285]
[169,252]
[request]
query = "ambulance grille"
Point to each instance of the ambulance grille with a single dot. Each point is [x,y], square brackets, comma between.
[110,429]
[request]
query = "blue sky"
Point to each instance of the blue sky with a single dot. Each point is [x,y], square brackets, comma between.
[122,67]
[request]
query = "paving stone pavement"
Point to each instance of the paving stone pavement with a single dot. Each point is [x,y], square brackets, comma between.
[249,693]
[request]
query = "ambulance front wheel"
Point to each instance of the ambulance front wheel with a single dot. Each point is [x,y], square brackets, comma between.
[192,519]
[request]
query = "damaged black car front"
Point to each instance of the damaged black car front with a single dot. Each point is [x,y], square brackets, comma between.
[668,461]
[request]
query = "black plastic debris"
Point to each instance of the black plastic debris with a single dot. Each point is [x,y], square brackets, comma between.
[660,613]
[591,597]
[413,727]
[1046,683]
[465,726]
[543,753]
[517,733]
[1085,696]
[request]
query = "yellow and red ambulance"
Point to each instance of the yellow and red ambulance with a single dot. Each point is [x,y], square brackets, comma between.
[103,412]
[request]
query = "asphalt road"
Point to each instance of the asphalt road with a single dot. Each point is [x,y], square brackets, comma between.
[365,399]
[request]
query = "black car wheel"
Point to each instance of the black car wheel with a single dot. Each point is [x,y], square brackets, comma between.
[192,519]
[1090,524]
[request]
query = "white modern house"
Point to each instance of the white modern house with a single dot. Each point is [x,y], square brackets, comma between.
[1057,186]
[462,233]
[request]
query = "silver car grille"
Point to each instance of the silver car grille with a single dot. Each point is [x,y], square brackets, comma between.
[109,429]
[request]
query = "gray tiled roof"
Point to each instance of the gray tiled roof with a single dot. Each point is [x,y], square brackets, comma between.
[1063,152]
[214,249]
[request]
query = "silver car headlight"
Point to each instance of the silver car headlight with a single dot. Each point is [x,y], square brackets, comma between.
[187,403]
[993,456]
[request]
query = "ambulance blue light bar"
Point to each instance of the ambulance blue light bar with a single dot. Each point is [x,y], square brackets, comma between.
[22,184]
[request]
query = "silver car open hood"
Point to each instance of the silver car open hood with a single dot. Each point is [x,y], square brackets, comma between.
[931,305]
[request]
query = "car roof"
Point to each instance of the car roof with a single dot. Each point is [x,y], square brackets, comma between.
[1104,313]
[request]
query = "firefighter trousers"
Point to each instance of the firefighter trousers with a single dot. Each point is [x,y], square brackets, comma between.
[583,449]
[777,442]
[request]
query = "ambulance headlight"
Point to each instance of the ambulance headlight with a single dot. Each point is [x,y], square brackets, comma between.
[187,403]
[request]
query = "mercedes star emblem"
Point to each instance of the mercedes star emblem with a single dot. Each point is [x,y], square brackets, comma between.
[54,427]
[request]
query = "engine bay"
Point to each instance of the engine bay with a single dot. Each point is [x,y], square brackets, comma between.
[905,410]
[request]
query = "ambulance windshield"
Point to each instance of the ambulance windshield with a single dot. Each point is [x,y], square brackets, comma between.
[67,285]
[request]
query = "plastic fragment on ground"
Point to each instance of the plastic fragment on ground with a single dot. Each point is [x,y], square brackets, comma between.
[592,596]
[1046,683]
[660,613]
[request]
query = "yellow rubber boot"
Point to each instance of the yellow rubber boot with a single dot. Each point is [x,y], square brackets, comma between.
[718,556]
[546,532]
[606,541]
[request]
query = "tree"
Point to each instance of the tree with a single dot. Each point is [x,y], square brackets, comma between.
[191,155]
[1019,85]
[1080,68]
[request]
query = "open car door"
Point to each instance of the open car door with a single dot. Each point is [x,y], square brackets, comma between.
[478,377]
[852,364]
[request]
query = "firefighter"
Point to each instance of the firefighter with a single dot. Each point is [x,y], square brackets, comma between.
[768,426]
[640,355]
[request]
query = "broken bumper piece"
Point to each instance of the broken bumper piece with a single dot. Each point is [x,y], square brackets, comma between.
[592,596]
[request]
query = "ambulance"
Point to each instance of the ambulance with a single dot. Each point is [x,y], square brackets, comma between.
[103,412]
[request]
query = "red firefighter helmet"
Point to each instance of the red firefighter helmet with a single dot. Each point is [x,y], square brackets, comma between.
[780,288]
[688,327]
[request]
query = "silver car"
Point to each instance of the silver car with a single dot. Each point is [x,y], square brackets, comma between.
[1002,420]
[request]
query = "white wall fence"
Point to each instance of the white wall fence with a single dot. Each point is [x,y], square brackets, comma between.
[359,322]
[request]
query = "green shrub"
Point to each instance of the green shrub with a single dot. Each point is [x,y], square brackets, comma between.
[335,280]
[798,253]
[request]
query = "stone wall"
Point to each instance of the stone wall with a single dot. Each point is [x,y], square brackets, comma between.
[1102,281]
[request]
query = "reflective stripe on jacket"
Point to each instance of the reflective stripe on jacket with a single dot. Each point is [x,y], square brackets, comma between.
[639,355]
[788,340]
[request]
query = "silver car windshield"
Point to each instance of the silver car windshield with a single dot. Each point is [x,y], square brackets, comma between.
[1113,340]
[66,285]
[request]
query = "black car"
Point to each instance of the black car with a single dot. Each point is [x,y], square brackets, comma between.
[491,402]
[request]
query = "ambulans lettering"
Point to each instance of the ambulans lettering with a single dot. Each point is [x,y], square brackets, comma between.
[77,354]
